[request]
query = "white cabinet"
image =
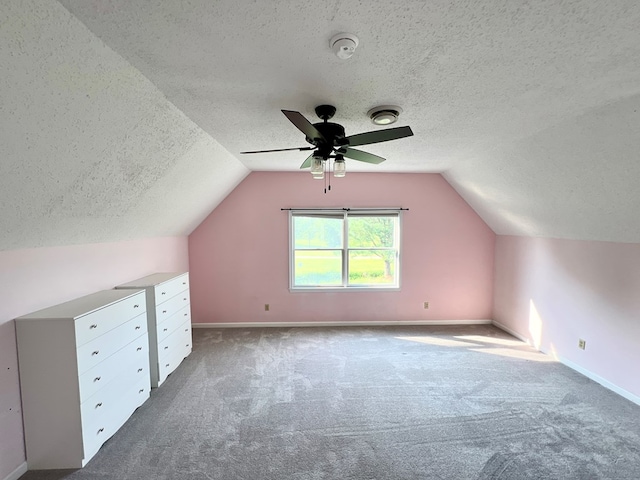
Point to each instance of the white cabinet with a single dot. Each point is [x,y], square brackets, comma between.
[84,369]
[169,321]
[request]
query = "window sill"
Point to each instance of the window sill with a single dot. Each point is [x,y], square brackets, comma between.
[343,289]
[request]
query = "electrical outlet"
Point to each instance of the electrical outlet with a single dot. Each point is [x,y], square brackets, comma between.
[426,305]
[582,344]
[266,307]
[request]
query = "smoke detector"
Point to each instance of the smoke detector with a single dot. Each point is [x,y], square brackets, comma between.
[343,45]
[384,114]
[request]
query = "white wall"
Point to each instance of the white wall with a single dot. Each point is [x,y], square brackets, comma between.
[554,292]
[38,278]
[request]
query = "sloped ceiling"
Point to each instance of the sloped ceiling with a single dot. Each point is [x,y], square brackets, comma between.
[91,150]
[529,109]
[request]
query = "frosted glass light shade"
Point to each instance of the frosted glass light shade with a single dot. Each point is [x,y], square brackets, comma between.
[317,166]
[339,169]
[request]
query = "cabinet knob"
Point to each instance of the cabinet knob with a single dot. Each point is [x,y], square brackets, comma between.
[101,430]
[166,348]
[98,405]
[97,379]
[167,365]
[138,349]
[93,326]
[163,293]
[184,283]
[164,311]
[136,306]
[165,329]
[185,314]
[141,390]
[186,329]
[95,352]
[137,327]
[185,298]
[187,345]
[139,370]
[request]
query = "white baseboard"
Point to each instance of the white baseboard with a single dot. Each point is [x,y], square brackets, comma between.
[574,366]
[18,472]
[340,324]
[605,383]
[511,332]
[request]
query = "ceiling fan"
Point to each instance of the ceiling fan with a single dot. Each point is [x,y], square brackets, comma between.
[329,141]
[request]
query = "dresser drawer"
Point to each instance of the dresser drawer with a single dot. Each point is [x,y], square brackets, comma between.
[171,306]
[169,345]
[92,353]
[96,409]
[134,356]
[173,322]
[100,423]
[94,324]
[171,288]
[178,347]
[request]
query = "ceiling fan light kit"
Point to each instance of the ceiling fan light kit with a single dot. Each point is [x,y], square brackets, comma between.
[330,142]
[384,114]
[343,45]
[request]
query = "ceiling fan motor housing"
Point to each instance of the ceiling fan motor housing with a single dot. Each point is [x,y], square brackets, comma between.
[334,135]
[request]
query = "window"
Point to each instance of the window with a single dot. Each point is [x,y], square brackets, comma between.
[344,249]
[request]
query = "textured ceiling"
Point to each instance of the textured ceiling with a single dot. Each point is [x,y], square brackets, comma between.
[91,150]
[529,109]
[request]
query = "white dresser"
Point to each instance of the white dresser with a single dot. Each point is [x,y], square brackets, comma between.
[169,321]
[84,369]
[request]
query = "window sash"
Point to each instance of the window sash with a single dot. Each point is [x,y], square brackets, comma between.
[346,251]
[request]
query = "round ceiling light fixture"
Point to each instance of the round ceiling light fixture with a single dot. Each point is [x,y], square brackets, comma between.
[384,114]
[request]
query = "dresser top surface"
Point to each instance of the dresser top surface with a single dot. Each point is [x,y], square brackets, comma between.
[81,306]
[152,280]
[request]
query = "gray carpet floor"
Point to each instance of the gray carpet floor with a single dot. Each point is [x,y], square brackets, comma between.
[370,404]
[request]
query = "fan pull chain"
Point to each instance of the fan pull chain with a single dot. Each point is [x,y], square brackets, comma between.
[324,168]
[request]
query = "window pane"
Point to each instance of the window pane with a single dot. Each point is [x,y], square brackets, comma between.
[317,231]
[372,267]
[317,268]
[370,231]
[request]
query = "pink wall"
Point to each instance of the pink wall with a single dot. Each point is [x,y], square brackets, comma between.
[239,259]
[554,292]
[37,278]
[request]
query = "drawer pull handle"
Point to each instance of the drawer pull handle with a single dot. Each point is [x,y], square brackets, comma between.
[101,430]
[98,405]
[141,390]
[166,348]
[139,370]
[137,327]
[164,311]
[187,345]
[184,283]
[93,326]
[164,293]
[165,329]
[136,306]
[97,379]
[186,329]
[185,314]
[167,365]
[95,352]
[185,298]
[138,349]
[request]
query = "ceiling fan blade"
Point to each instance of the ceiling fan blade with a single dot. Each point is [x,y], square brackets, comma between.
[307,162]
[378,136]
[280,150]
[304,125]
[360,155]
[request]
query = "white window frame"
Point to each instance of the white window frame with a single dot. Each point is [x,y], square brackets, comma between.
[345,213]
